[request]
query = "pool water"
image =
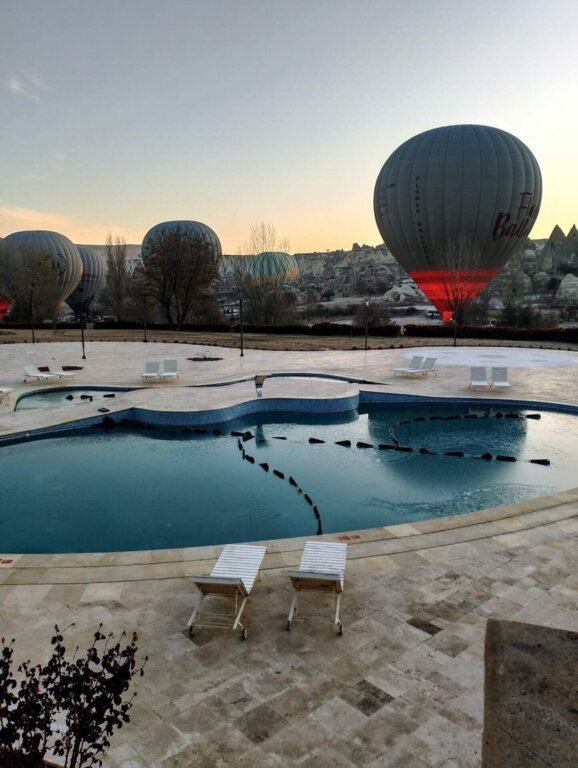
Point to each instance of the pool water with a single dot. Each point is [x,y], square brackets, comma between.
[126,489]
[54,398]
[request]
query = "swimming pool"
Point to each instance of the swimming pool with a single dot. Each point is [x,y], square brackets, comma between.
[265,478]
[54,398]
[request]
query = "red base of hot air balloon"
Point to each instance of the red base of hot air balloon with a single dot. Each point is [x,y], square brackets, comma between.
[445,288]
[4,306]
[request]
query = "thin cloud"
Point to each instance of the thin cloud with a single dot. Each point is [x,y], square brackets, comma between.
[13,219]
[27,84]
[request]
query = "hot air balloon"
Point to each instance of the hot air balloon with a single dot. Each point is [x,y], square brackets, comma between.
[180,258]
[47,248]
[451,191]
[92,280]
[168,228]
[273,266]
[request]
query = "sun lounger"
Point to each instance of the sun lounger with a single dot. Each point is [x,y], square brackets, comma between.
[151,370]
[169,370]
[62,374]
[32,372]
[427,366]
[478,378]
[414,366]
[500,378]
[232,578]
[322,569]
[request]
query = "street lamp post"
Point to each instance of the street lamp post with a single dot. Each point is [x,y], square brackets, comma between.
[241,324]
[145,320]
[366,303]
[82,332]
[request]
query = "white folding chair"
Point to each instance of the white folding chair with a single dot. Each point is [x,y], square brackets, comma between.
[232,578]
[322,569]
[478,377]
[151,370]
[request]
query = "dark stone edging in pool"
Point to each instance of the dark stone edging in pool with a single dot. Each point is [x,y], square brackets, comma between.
[204,418]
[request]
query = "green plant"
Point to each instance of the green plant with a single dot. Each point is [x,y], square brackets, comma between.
[69,706]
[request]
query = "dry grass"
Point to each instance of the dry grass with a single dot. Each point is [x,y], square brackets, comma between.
[281,342]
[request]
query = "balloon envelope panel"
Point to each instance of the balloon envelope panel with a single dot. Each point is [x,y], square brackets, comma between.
[468,182]
[194,228]
[273,265]
[92,280]
[63,254]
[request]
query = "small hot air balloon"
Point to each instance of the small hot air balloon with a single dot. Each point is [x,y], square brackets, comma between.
[92,280]
[59,253]
[273,266]
[458,187]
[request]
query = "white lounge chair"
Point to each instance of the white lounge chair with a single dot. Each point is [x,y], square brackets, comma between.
[62,374]
[32,372]
[413,367]
[322,569]
[500,378]
[478,378]
[151,370]
[428,366]
[232,577]
[169,370]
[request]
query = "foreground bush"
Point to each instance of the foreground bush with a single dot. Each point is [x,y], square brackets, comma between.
[68,707]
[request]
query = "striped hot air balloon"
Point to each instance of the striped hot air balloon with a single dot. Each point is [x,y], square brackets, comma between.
[273,266]
[92,280]
[60,252]
[165,228]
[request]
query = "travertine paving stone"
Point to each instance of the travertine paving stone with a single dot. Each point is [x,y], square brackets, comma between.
[403,687]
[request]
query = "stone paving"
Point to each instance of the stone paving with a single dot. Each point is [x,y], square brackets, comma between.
[403,686]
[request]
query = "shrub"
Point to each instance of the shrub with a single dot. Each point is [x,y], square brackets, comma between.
[85,692]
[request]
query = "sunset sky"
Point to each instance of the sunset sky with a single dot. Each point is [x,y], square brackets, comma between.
[118,114]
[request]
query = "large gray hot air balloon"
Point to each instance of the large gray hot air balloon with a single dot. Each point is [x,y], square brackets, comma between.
[60,254]
[467,184]
[92,280]
[165,228]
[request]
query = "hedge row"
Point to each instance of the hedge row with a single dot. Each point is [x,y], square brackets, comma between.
[446,331]
[562,335]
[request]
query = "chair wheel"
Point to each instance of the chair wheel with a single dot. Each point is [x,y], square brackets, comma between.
[340,630]
[191,631]
[243,634]
[288,626]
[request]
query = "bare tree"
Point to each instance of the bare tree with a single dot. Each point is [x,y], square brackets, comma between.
[115,293]
[268,300]
[29,280]
[463,277]
[180,266]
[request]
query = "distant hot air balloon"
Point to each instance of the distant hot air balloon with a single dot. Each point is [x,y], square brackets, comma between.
[273,266]
[166,228]
[60,253]
[461,183]
[92,280]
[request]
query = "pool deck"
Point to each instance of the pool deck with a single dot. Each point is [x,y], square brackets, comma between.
[403,685]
